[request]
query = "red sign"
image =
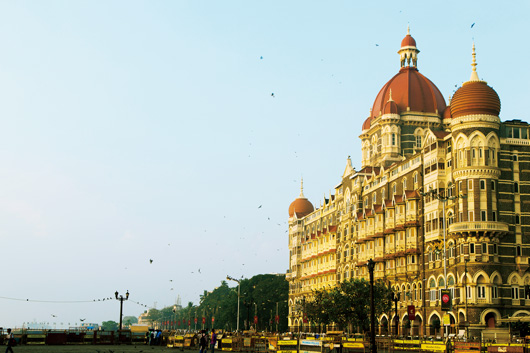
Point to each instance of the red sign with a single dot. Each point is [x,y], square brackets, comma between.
[179,322]
[277,319]
[189,322]
[256,319]
[213,319]
[305,319]
[195,320]
[411,310]
[203,320]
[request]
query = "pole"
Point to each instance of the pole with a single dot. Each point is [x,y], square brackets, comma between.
[277,318]
[238,298]
[446,328]
[373,347]
[465,294]
[121,310]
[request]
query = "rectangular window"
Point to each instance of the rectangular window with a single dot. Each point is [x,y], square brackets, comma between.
[470,216]
[495,249]
[483,216]
[517,219]
[460,217]
[515,292]
[483,185]
[481,292]
[472,248]
[494,216]
[469,292]
[470,184]
[494,292]
[484,248]
[433,295]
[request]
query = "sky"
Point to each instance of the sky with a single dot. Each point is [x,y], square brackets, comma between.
[178,132]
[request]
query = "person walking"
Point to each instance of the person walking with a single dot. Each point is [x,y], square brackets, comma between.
[213,341]
[203,343]
[10,341]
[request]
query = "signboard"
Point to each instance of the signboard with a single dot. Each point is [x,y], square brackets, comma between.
[203,320]
[446,299]
[433,347]
[195,320]
[411,310]
[213,319]
[447,319]
[256,319]
[353,345]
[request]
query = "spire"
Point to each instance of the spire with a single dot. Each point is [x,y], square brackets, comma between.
[301,189]
[408,30]
[390,96]
[474,75]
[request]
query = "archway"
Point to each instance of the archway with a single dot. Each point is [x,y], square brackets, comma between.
[384,326]
[417,327]
[434,325]
[491,320]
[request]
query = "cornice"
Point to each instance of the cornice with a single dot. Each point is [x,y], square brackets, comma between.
[476,172]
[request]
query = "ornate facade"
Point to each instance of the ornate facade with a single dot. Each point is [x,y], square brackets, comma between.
[433,176]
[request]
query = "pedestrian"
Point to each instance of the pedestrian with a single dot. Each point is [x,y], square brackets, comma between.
[203,343]
[213,341]
[10,341]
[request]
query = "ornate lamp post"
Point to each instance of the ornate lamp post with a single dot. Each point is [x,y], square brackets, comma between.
[238,296]
[121,299]
[373,347]
[395,299]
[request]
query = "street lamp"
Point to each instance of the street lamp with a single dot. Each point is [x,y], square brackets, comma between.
[373,347]
[174,316]
[238,291]
[121,299]
[444,198]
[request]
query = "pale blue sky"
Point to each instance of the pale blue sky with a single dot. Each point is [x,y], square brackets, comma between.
[130,125]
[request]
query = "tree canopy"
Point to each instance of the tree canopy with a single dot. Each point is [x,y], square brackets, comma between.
[347,304]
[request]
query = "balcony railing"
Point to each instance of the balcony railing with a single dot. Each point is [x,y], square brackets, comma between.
[478,226]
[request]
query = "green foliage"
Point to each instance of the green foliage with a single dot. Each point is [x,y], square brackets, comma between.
[129,320]
[110,325]
[260,293]
[347,303]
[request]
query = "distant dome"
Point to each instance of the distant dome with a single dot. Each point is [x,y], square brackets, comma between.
[367,123]
[447,113]
[301,205]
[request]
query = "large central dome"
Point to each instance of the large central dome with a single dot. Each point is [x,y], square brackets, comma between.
[409,89]
[412,92]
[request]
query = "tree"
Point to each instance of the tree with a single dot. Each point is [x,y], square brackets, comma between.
[129,320]
[348,303]
[109,325]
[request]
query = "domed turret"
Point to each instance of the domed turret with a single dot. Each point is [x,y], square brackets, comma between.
[390,106]
[301,205]
[475,97]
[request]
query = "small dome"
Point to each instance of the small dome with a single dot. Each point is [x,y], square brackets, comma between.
[447,113]
[301,206]
[408,41]
[475,97]
[367,123]
[391,107]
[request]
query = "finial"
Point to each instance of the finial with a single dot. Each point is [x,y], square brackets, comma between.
[408,30]
[474,75]
[390,96]
[301,189]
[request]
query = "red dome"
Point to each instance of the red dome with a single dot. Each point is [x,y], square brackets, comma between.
[301,206]
[447,113]
[391,108]
[408,41]
[367,123]
[410,89]
[475,97]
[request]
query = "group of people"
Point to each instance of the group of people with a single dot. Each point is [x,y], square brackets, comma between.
[203,342]
[153,338]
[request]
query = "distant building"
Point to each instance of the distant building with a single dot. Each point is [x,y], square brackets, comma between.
[479,170]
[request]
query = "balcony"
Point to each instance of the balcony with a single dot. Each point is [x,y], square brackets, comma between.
[464,227]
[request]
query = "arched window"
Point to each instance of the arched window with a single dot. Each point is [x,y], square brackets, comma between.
[393,139]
